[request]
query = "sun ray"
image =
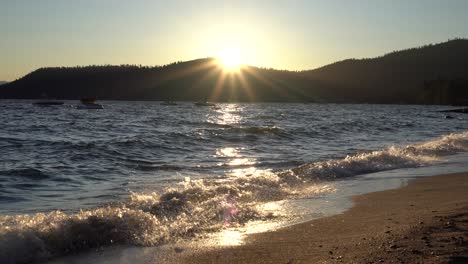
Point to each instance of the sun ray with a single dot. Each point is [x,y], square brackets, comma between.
[218,87]
[206,76]
[246,86]
[270,83]
[208,63]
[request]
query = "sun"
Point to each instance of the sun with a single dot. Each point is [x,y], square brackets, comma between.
[230,59]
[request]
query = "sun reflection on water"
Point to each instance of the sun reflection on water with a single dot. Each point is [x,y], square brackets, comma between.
[241,161]
[230,238]
[226,114]
[237,236]
[227,152]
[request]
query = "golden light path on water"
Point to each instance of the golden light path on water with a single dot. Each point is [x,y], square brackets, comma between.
[238,164]
[230,115]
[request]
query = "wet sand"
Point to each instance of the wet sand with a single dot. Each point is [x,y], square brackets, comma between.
[424,222]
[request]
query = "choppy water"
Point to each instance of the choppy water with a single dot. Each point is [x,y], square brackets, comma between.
[146,173]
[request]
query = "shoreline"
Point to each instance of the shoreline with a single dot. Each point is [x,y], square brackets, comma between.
[425,221]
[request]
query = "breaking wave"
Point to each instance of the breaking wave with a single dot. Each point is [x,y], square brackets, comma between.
[195,207]
[388,159]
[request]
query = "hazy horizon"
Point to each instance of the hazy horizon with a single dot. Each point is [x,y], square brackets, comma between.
[297,35]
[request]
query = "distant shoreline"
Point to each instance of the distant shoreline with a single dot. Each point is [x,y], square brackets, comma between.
[431,74]
[73,101]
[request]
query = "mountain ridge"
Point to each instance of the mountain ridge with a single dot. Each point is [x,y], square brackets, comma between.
[395,77]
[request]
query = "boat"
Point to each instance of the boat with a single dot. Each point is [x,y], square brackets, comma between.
[168,103]
[463,110]
[204,104]
[89,103]
[88,100]
[48,102]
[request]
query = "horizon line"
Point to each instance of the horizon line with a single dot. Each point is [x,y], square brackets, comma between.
[243,65]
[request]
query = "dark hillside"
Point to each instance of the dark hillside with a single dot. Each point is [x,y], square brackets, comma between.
[397,77]
[201,79]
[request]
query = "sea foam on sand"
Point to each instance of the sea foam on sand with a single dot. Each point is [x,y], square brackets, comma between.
[198,206]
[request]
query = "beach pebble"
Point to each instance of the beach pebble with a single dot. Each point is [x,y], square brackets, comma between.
[178,249]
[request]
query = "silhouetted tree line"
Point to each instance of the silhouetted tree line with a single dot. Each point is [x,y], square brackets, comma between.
[396,77]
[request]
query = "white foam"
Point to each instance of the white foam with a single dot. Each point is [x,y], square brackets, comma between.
[391,158]
[198,206]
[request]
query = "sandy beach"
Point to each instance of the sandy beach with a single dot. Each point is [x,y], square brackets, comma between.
[424,222]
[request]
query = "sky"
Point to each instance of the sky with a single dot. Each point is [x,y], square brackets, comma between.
[291,34]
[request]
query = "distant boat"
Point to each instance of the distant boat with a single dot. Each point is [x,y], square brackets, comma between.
[89,103]
[88,100]
[463,110]
[204,104]
[168,103]
[48,102]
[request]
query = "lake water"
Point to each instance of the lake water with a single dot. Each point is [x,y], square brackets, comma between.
[142,173]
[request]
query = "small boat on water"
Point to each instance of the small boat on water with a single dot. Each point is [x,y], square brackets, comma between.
[168,103]
[88,100]
[48,102]
[89,103]
[462,110]
[204,104]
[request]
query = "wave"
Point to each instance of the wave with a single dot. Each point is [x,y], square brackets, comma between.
[247,129]
[257,130]
[195,207]
[28,173]
[164,167]
[388,159]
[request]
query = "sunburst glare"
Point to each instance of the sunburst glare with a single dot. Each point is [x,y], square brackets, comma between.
[230,59]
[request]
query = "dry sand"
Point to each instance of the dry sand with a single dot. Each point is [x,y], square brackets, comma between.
[424,222]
